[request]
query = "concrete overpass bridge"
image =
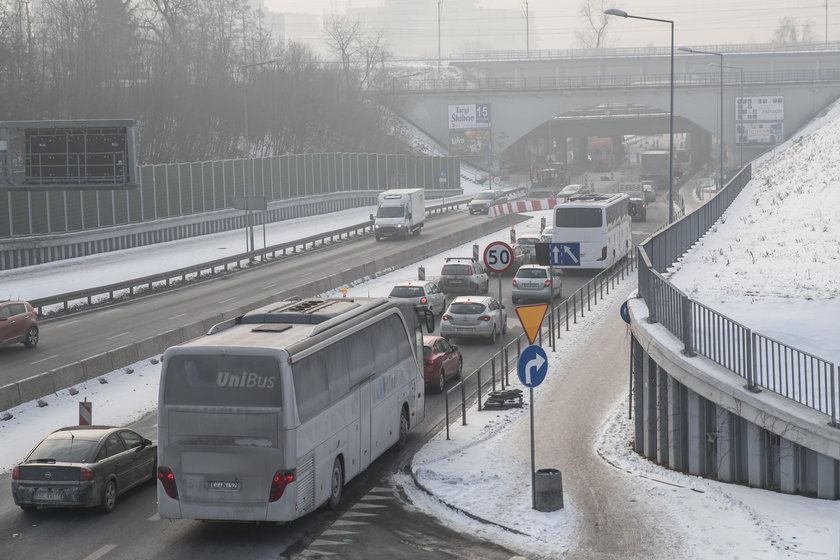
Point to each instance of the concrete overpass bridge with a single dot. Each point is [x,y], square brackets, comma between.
[548,103]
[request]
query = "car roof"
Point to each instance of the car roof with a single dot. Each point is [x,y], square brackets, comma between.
[534,266]
[91,432]
[413,283]
[472,299]
[459,259]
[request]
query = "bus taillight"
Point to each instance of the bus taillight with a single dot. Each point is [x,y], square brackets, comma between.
[278,484]
[603,253]
[167,479]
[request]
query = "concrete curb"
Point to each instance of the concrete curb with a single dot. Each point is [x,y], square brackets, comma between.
[43,384]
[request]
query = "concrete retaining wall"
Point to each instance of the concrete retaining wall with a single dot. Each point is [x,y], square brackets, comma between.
[61,378]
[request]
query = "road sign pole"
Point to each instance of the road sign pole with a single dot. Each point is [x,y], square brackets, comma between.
[502,366]
[533,460]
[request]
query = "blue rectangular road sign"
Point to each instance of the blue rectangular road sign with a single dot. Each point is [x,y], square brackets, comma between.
[564,254]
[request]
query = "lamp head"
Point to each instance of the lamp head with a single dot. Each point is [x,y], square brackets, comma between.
[615,12]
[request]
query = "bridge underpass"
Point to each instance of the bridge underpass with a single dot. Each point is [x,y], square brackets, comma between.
[607,99]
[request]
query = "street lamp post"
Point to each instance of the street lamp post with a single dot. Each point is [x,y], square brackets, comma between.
[527,30]
[622,13]
[440,8]
[249,174]
[720,139]
[741,80]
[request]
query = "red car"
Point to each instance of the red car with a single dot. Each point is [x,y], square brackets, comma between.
[18,323]
[441,360]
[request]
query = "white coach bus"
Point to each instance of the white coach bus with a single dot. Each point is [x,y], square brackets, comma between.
[268,416]
[598,224]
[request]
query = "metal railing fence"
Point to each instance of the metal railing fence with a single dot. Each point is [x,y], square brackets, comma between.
[609,81]
[495,372]
[763,362]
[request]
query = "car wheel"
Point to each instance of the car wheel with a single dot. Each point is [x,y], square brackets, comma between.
[515,300]
[493,335]
[441,382]
[31,339]
[336,485]
[109,497]
[504,326]
[28,508]
[460,369]
[376,237]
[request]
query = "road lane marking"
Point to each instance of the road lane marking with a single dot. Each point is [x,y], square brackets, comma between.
[228,299]
[64,324]
[44,359]
[101,552]
[176,316]
[269,286]
[117,335]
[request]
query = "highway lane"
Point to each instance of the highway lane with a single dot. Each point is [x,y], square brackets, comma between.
[76,337]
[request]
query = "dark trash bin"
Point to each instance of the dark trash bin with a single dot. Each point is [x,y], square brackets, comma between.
[548,490]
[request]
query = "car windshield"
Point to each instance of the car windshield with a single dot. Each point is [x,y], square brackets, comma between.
[65,449]
[457,269]
[407,291]
[571,189]
[427,351]
[389,212]
[485,196]
[466,308]
[532,273]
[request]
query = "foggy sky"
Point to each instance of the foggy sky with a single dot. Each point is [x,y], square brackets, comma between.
[555,22]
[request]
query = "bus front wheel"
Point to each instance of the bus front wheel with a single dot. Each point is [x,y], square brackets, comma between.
[336,485]
[403,430]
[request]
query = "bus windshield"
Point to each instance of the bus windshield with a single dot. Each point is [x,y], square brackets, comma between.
[219,380]
[578,217]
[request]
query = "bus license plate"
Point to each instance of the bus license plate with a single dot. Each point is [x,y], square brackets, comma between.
[223,485]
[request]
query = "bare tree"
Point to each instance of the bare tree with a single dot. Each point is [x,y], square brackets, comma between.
[594,35]
[791,30]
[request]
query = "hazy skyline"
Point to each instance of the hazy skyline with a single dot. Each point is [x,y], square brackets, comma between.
[554,24]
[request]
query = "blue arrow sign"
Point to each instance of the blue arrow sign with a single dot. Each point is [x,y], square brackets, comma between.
[532,366]
[564,254]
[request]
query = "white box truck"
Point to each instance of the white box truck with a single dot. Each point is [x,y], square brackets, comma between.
[400,212]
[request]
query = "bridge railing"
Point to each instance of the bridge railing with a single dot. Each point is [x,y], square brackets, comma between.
[478,56]
[660,80]
[762,362]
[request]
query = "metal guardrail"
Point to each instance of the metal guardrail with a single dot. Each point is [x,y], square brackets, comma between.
[744,48]
[66,302]
[539,83]
[565,312]
[763,362]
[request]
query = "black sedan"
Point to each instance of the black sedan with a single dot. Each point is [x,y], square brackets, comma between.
[83,466]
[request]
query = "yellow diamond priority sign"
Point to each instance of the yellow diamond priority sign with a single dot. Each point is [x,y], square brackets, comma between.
[531,317]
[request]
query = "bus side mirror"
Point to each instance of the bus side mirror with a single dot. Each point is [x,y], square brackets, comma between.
[430,320]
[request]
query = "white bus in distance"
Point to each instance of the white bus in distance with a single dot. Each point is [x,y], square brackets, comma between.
[599,224]
[269,415]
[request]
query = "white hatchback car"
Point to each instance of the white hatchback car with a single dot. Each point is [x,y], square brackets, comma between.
[421,292]
[474,317]
[533,281]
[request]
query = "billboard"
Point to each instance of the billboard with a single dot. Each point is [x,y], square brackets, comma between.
[472,116]
[760,108]
[771,133]
[473,142]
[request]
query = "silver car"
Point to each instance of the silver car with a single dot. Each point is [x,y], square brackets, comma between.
[528,241]
[421,292]
[474,317]
[533,281]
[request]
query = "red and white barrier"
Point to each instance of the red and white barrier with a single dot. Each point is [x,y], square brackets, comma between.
[518,206]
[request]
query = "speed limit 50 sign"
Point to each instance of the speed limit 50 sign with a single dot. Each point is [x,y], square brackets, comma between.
[498,257]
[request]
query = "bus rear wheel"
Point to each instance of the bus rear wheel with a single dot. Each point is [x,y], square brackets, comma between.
[402,439]
[336,485]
